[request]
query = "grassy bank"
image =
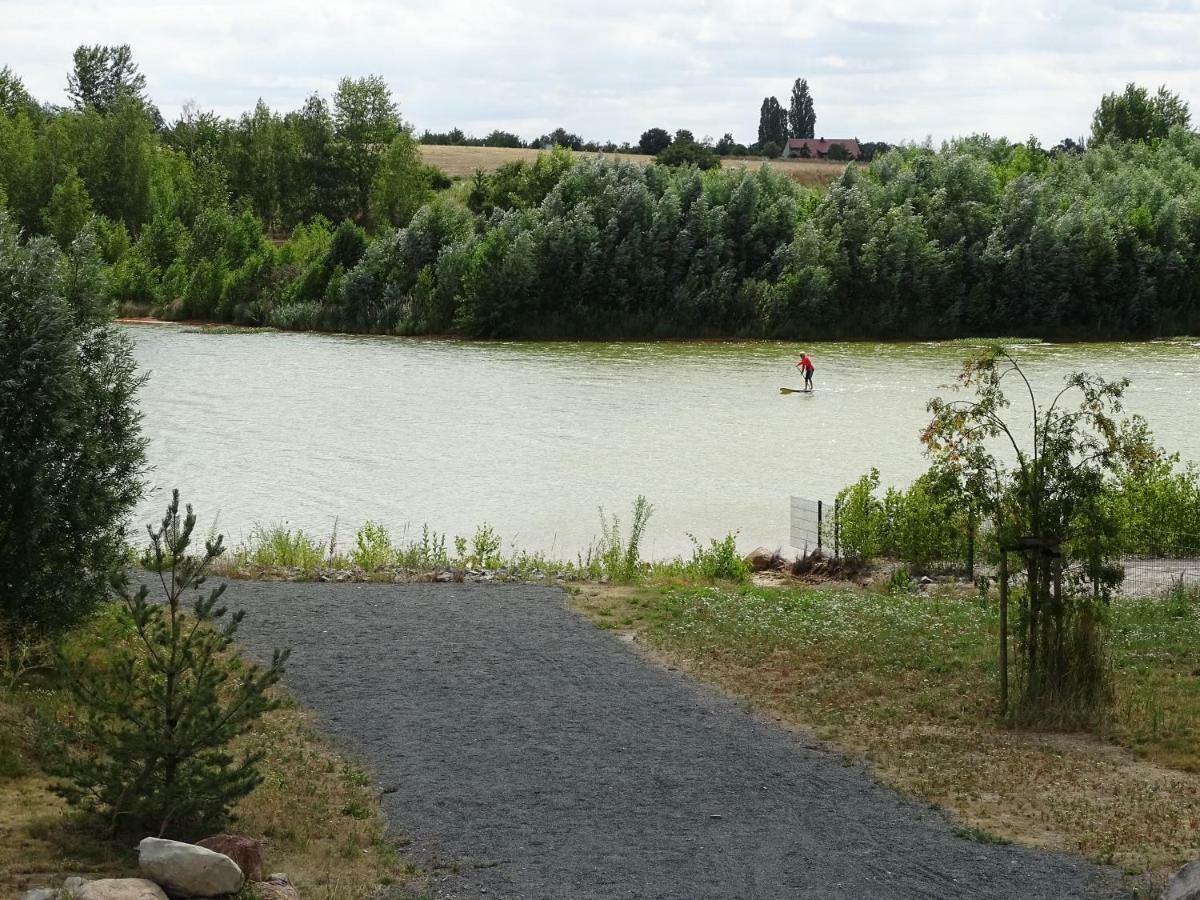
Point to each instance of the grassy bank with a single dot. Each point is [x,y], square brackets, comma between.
[318,810]
[373,554]
[909,684]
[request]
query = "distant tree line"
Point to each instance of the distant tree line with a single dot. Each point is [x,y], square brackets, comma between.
[982,237]
[325,217]
[349,157]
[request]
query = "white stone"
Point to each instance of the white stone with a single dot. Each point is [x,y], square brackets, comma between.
[121,889]
[189,870]
[1184,884]
[40,893]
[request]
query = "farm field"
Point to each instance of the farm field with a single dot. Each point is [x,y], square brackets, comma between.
[463,162]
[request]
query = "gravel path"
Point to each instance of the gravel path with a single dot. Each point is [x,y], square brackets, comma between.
[547,760]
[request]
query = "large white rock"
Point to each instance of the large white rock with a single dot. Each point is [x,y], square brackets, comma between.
[121,889]
[188,870]
[1184,884]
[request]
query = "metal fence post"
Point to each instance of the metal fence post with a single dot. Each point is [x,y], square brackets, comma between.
[820,504]
[971,545]
[1003,631]
[837,528]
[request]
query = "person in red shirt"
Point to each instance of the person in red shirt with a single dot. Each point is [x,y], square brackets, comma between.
[806,366]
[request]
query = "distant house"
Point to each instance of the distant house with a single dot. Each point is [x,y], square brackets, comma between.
[818,148]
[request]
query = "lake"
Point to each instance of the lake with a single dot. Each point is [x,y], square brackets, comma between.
[266,427]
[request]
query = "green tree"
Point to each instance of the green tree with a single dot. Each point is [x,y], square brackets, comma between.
[653,141]
[688,153]
[19,168]
[772,123]
[264,166]
[559,137]
[1135,115]
[802,118]
[115,154]
[14,98]
[319,188]
[498,138]
[68,211]
[71,448]
[1043,502]
[161,709]
[838,152]
[366,121]
[402,184]
[102,75]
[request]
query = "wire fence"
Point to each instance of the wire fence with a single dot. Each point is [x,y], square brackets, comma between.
[1165,561]
[1156,576]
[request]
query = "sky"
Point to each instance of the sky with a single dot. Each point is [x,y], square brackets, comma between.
[884,70]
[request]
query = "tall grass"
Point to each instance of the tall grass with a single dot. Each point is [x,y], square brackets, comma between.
[615,556]
[277,546]
[427,553]
[373,549]
[619,559]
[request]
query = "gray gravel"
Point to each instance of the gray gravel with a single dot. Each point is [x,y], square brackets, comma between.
[531,755]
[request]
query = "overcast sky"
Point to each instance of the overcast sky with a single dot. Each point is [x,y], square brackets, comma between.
[609,69]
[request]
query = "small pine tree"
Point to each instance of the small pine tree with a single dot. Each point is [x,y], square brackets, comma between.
[160,710]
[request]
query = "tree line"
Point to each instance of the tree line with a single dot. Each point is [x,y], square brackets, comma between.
[325,217]
[776,124]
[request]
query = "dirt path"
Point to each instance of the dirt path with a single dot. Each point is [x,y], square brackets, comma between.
[536,757]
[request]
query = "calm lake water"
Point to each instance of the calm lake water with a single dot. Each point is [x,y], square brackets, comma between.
[532,438]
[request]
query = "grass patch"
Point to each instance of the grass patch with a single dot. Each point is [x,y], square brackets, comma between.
[278,546]
[909,682]
[373,555]
[463,162]
[227,329]
[319,811]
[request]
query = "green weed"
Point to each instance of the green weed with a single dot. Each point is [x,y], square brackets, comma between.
[618,558]
[279,547]
[372,547]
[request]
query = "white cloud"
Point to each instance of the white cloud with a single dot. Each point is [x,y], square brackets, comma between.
[888,70]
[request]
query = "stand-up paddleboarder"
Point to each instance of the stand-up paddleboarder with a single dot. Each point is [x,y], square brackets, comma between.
[806,366]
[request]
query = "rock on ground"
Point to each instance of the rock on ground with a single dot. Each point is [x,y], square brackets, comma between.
[760,559]
[40,893]
[1184,884]
[247,852]
[188,870]
[275,890]
[121,889]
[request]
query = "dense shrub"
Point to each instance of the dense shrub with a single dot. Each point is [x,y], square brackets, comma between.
[1155,506]
[71,450]
[688,153]
[923,526]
